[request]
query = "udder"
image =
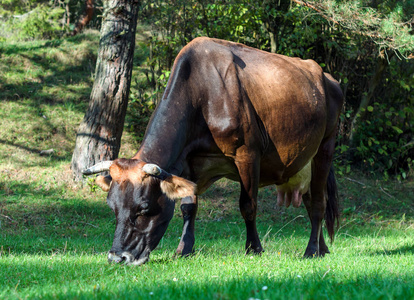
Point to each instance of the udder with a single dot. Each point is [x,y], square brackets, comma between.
[292,191]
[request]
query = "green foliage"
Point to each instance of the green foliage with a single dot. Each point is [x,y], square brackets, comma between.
[383,146]
[41,23]
[385,139]
[35,19]
[41,19]
[173,26]
[388,24]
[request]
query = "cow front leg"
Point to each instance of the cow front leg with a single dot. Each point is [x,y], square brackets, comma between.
[249,178]
[189,210]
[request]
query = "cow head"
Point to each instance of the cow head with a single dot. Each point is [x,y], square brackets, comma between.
[141,196]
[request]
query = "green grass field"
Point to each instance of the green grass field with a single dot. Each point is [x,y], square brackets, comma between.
[54,235]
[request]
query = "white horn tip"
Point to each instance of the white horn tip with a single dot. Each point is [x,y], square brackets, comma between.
[99,167]
[87,171]
[151,169]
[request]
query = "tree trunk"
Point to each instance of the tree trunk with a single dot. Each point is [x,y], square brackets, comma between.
[89,8]
[273,44]
[367,97]
[99,134]
[274,23]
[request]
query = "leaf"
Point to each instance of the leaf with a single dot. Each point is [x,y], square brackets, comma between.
[398,130]
[370,108]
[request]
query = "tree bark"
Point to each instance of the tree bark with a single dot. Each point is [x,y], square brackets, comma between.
[382,64]
[89,8]
[274,24]
[99,134]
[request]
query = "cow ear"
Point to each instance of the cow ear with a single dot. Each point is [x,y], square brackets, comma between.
[104,182]
[176,187]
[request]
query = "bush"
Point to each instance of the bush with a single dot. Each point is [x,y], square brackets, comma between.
[40,23]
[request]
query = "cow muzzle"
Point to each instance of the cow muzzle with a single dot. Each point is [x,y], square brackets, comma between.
[127,258]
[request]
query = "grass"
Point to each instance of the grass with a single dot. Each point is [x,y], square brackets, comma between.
[54,235]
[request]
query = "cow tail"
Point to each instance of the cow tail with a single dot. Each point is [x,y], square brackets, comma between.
[332,206]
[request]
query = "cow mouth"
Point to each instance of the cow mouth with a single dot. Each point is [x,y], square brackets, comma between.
[127,258]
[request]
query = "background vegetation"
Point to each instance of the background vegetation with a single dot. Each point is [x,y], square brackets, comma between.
[54,235]
[366,45]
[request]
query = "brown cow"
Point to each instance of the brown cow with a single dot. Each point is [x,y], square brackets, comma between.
[236,112]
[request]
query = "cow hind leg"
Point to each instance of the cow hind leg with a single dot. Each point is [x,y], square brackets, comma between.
[323,248]
[188,207]
[322,203]
[248,205]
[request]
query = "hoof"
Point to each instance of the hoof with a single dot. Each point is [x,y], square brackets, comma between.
[322,252]
[255,251]
[310,255]
[179,253]
[184,249]
[315,254]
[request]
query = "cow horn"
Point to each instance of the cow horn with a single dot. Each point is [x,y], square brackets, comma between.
[152,169]
[99,167]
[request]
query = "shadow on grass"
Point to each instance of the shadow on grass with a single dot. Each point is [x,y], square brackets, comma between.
[260,287]
[403,250]
[39,61]
[111,282]
[53,156]
[8,143]
[17,48]
[62,76]
[36,218]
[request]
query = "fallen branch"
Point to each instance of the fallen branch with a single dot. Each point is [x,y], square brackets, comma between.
[77,221]
[7,217]
[356,181]
[23,16]
[391,196]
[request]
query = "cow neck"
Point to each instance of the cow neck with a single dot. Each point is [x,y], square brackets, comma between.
[167,134]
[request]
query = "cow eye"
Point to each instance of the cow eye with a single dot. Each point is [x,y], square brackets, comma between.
[142,212]
[143,208]
[132,221]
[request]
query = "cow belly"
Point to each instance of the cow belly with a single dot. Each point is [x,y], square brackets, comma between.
[292,191]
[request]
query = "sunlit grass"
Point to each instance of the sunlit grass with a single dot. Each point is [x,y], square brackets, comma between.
[344,274]
[56,247]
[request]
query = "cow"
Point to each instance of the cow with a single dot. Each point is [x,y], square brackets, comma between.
[231,111]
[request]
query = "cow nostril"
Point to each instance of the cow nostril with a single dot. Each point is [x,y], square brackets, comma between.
[112,257]
[127,257]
